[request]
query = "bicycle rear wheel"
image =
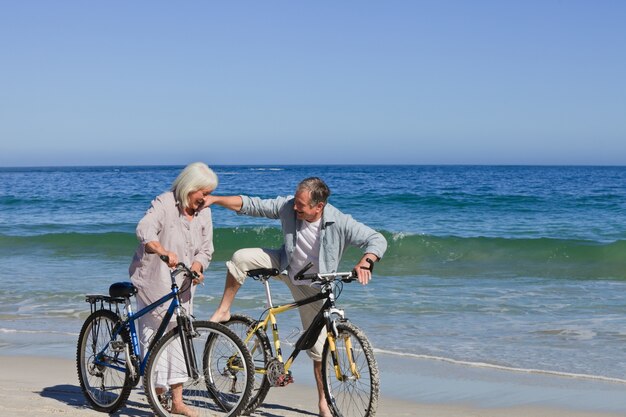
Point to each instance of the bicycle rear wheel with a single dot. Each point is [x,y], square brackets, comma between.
[101,362]
[224,377]
[261,352]
[350,374]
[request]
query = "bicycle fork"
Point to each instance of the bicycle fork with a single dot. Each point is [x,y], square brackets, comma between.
[332,337]
[186,334]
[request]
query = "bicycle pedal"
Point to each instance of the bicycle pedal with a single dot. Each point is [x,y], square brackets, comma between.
[117,346]
[165,400]
[285,380]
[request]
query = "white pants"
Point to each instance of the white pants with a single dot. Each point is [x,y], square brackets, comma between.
[171,368]
[252,258]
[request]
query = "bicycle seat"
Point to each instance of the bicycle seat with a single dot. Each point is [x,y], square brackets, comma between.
[268,272]
[122,289]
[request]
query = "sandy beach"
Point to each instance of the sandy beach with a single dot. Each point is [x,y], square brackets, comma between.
[42,386]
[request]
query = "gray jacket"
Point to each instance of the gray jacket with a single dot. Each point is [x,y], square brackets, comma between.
[337,231]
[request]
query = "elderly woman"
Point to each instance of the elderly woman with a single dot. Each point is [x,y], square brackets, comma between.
[177,225]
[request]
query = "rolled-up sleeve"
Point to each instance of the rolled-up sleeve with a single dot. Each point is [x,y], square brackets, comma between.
[150,225]
[205,252]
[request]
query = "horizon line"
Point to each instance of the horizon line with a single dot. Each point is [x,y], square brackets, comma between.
[546,165]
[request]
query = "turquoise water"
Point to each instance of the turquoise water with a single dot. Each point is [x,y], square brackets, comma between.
[520,268]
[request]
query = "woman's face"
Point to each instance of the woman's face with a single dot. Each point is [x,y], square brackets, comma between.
[197,199]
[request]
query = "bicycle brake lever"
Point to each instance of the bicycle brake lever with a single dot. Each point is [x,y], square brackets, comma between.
[300,273]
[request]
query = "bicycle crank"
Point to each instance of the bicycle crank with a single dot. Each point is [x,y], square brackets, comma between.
[276,374]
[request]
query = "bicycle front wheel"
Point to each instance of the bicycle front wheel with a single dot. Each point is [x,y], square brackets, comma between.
[350,373]
[101,361]
[220,381]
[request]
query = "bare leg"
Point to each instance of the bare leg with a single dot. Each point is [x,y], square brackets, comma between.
[323,405]
[178,406]
[230,290]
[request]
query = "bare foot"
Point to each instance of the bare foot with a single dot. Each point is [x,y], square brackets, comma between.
[184,410]
[220,317]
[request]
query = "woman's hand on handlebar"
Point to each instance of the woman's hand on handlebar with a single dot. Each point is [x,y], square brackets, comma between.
[172,259]
[194,273]
[198,277]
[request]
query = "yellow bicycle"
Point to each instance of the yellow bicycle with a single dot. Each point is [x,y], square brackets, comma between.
[349,369]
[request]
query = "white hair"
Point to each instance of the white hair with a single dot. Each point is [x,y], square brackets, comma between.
[196,176]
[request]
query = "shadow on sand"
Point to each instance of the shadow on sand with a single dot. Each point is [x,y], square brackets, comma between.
[73,396]
[268,410]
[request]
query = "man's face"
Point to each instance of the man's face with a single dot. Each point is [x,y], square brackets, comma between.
[302,206]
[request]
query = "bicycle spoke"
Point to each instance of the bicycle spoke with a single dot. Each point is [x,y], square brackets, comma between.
[101,371]
[224,380]
[352,391]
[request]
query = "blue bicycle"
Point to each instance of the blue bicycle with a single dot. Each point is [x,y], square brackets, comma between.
[204,362]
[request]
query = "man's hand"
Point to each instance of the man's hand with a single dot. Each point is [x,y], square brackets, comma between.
[364,268]
[210,200]
[233,202]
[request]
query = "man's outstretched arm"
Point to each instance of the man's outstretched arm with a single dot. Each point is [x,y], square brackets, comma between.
[232,202]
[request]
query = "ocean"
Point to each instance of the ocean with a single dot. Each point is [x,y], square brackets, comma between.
[519,268]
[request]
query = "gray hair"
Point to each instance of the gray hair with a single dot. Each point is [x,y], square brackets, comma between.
[318,188]
[194,177]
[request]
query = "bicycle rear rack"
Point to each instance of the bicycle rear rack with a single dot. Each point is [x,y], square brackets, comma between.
[104,302]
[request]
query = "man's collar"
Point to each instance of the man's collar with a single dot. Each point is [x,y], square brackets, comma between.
[328,216]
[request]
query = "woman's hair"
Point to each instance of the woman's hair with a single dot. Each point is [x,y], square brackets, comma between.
[194,177]
[319,190]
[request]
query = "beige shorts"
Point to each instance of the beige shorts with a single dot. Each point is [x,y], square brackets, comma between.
[252,258]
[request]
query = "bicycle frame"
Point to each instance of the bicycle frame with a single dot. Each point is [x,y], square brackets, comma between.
[324,318]
[349,374]
[132,317]
[129,323]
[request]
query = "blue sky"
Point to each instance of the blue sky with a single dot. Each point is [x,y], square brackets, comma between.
[286,82]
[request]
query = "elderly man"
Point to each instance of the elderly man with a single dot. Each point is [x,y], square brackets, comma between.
[314,231]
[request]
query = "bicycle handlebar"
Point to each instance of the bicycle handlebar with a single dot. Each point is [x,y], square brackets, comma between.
[344,276]
[331,276]
[180,267]
[316,277]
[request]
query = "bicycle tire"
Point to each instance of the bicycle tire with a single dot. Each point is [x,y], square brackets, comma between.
[207,394]
[106,388]
[261,352]
[357,395]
